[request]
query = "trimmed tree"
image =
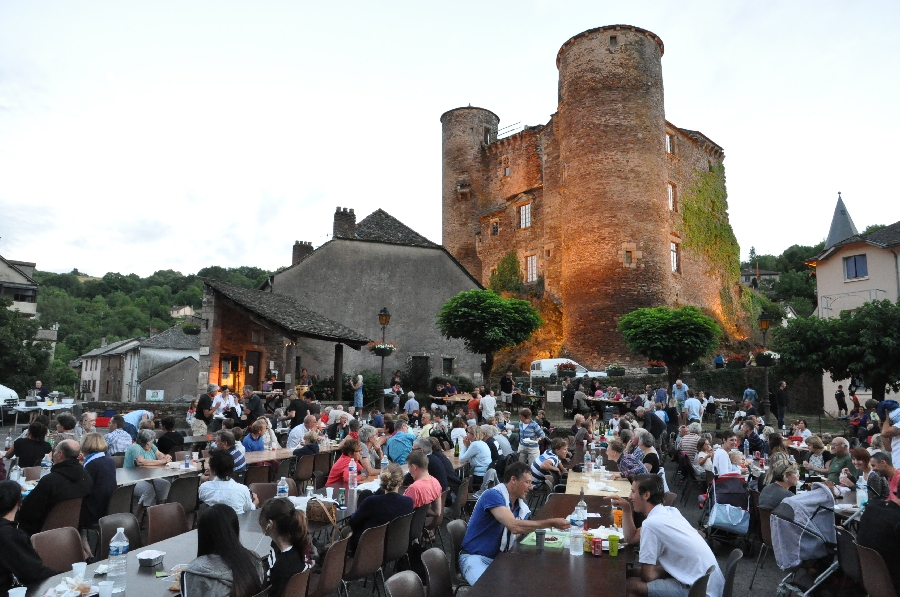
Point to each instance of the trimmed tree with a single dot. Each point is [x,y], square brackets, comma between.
[487,323]
[678,337]
[860,345]
[22,360]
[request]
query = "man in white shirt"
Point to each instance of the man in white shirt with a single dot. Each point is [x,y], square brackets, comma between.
[225,490]
[488,406]
[722,464]
[295,437]
[411,404]
[693,408]
[672,554]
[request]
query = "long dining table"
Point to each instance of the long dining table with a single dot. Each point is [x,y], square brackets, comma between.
[130,476]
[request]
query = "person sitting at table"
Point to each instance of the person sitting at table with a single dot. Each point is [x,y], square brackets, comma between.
[88,424]
[223,489]
[309,446]
[142,454]
[338,429]
[647,444]
[879,529]
[722,464]
[65,428]
[102,471]
[579,404]
[457,429]
[817,460]
[757,444]
[476,452]
[703,458]
[614,421]
[170,441]
[550,463]
[253,441]
[435,467]
[499,514]
[584,432]
[224,567]
[227,441]
[381,507]
[785,477]
[501,442]
[66,480]
[370,442]
[425,489]
[840,460]
[117,439]
[32,448]
[269,437]
[351,450]
[295,437]
[628,464]
[876,484]
[672,554]
[19,562]
[401,440]
[291,552]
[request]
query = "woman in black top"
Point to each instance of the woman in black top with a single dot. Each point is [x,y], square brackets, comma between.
[291,549]
[102,470]
[32,448]
[170,441]
[20,564]
[380,508]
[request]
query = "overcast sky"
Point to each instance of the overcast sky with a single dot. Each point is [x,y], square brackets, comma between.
[138,136]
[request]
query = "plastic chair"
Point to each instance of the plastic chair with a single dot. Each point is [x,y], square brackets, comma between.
[256,474]
[875,575]
[292,487]
[437,573]
[120,500]
[319,479]
[405,584]
[848,556]
[32,473]
[264,491]
[185,491]
[698,589]
[433,523]
[58,548]
[417,527]
[669,499]
[296,586]
[109,525]
[328,580]
[454,512]
[119,459]
[730,568]
[765,531]
[366,560]
[457,531]
[322,462]
[165,521]
[284,468]
[64,514]
[396,541]
[303,474]
[179,456]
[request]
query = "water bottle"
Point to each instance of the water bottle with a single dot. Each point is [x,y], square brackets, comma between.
[384,461]
[15,473]
[576,540]
[862,492]
[45,466]
[8,441]
[588,463]
[351,474]
[746,448]
[282,490]
[118,558]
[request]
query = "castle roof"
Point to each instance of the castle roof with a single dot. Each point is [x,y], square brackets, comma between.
[383,227]
[842,226]
[650,34]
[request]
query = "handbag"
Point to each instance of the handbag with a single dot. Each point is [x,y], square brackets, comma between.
[321,511]
[729,518]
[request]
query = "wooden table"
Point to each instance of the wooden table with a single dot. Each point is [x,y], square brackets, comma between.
[560,505]
[578,480]
[130,476]
[179,550]
[553,572]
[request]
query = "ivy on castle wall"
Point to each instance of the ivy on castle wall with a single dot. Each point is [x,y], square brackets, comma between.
[705,226]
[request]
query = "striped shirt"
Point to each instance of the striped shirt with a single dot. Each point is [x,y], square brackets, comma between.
[537,474]
[530,432]
[239,462]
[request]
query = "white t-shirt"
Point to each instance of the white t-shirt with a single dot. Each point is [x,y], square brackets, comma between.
[668,540]
[692,406]
[457,433]
[614,423]
[805,434]
[722,464]
[230,492]
[488,406]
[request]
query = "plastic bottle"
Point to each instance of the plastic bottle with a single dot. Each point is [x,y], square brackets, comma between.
[746,448]
[8,441]
[45,466]
[15,472]
[118,561]
[576,540]
[862,492]
[351,475]
[588,463]
[282,489]
[384,460]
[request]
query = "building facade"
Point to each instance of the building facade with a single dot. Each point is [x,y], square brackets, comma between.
[591,202]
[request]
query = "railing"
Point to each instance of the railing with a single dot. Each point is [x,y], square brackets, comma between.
[827,302]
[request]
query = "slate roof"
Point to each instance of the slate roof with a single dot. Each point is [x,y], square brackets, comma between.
[168,365]
[113,347]
[173,338]
[287,313]
[15,267]
[842,226]
[888,236]
[383,227]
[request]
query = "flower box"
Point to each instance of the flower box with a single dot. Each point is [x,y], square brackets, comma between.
[383,351]
[764,360]
[735,365]
[566,373]
[656,370]
[615,371]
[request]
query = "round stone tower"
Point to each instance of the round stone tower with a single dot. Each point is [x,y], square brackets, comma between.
[466,133]
[611,130]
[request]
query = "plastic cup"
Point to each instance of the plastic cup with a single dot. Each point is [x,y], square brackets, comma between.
[195,455]
[539,537]
[106,587]
[613,541]
[79,569]
[329,492]
[18,592]
[617,517]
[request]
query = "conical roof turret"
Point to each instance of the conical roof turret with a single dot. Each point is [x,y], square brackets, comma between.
[842,226]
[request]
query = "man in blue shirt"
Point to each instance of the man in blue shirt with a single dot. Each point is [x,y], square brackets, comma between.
[499,514]
[750,394]
[401,441]
[227,442]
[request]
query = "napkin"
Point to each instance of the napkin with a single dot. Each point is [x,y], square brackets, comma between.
[598,486]
[301,501]
[370,485]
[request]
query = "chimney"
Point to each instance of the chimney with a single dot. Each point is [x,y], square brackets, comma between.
[344,223]
[301,250]
[102,341]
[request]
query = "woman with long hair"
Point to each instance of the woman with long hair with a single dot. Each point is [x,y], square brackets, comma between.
[31,448]
[292,551]
[224,567]
[357,392]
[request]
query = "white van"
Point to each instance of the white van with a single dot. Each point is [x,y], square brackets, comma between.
[542,368]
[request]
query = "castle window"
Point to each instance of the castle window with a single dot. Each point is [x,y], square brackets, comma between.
[675,252]
[629,257]
[531,268]
[462,194]
[547,254]
[447,366]
[487,135]
[525,216]
[670,144]
[855,267]
[506,171]
[673,200]
[504,166]
[613,40]
[495,227]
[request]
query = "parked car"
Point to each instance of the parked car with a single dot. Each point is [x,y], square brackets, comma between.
[543,368]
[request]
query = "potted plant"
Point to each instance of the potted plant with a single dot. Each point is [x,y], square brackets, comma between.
[382,349]
[615,370]
[566,369]
[656,367]
[698,366]
[765,358]
[735,361]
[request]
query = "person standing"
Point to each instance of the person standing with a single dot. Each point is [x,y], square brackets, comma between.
[841,400]
[411,404]
[507,384]
[253,407]
[530,434]
[750,394]
[204,415]
[781,402]
[358,392]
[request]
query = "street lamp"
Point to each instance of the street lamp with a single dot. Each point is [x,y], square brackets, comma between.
[764,322]
[384,318]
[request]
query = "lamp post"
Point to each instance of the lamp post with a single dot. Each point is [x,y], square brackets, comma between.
[764,322]
[384,318]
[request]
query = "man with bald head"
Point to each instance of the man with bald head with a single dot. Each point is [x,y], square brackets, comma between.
[840,449]
[67,480]
[295,437]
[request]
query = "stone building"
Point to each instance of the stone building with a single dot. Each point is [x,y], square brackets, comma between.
[366,266]
[591,202]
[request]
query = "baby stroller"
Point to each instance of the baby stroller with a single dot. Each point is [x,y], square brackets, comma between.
[726,512]
[802,533]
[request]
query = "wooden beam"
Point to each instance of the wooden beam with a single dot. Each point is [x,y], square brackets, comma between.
[338,371]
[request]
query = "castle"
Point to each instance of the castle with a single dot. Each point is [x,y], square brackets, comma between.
[609,204]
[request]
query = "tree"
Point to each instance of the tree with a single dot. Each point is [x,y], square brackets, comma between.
[487,323]
[508,276]
[22,360]
[860,345]
[678,337]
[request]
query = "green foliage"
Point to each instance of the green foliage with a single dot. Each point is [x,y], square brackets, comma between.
[705,226]
[486,323]
[460,382]
[677,337]
[22,361]
[191,329]
[508,276]
[863,344]
[872,228]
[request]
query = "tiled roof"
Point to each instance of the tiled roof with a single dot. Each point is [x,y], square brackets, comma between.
[175,338]
[109,348]
[287,313]
[888,236]
[381,226]
[15,267]
[168,365]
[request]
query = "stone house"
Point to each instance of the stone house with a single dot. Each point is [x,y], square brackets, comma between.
[179,311]
[103,370]
[150,365]
[374,264]
[851,270]
[17,284]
